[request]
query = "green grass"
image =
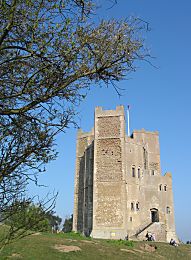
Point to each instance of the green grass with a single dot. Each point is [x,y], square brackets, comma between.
[120,243]
[42,247]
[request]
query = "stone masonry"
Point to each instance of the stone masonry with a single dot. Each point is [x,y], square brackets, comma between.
[119,189]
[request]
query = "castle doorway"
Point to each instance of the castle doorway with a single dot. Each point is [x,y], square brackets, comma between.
[154,215]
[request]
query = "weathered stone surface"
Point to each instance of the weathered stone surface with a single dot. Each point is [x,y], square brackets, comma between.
[109,160]
[114,126]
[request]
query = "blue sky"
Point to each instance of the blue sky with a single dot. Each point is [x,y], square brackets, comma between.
[159,99]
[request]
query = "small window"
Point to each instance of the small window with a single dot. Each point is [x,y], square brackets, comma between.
[160,187]
[133,171]
[167,210]
[131,219]
[139,173]
[165,187]
[132,206]
[137,206]
[152,172]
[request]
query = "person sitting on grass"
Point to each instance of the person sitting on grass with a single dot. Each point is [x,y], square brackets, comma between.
[153,238]
[149,236]
[173,242]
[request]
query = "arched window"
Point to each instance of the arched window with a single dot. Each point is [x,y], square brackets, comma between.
[165,187]
[154,215]
[167,210]
[160,187]
[133,171]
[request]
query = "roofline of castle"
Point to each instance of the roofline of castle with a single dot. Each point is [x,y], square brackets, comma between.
[99,112]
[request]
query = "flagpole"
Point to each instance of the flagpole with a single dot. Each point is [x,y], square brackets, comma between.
[128,121]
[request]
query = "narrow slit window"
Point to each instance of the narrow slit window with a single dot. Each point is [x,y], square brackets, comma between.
[133,171]
[139,173]
[160,187]
[165,187]
[167,210]
[137,206]
[132,206]
[152,172]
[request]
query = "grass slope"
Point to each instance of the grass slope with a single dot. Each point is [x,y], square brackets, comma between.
[47,247]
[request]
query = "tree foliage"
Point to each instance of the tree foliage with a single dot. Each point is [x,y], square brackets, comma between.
[22,218]
[21,215]
[51,53]
[54,220]
[67,226]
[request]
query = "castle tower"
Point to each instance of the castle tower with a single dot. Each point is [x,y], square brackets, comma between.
[119,188]
[109,196]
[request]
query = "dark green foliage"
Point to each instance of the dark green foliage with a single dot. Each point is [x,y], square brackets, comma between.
[26,216]
[23,218]
[22,215]
[67,227]
[54,221]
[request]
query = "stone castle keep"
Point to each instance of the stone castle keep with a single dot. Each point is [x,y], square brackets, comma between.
[119,188]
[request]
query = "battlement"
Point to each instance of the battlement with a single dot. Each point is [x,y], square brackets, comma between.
[119,111]
[82,134]
[143,131]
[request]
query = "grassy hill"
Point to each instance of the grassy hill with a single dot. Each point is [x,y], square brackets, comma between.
[75,247]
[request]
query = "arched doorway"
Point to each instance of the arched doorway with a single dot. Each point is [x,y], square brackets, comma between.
[154,215]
